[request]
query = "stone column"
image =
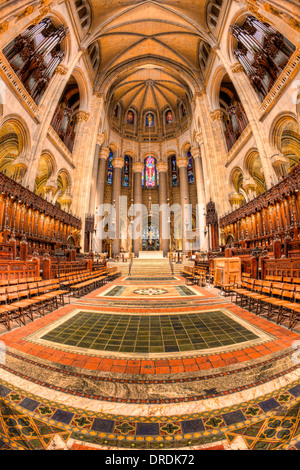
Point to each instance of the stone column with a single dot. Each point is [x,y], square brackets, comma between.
[162,168]
[200,196]
[137,169]
[250,103]
[212,151]
[182,163]
[117,163]
[99,196]
[100,140]
[199,139]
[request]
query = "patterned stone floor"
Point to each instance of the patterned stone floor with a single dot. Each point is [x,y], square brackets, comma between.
[184,368]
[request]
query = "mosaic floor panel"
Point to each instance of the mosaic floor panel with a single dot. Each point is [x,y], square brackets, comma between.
[121,370]
[151,333]
[170,291]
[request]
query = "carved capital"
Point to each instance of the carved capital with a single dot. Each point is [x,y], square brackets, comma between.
[162,167]
[100,139]
[199,138]
[104,153]
[99,94]
[138,167]
[3,27]
[217,115]
[82,116]
[182,162]
[237,68]
[199,94]
[117,162]
[195,152]
[61,70]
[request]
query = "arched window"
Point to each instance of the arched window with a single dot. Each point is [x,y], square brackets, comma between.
[150,173]
[190,169]
[130,117]
[169,117]
[174,172]
[125,172]
[149,120]
[110,169]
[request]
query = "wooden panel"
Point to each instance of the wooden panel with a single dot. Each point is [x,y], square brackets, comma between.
[225,269]
[287,267]
[19,269]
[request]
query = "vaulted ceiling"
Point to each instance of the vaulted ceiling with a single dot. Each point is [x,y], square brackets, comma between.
[149,88]
[149,50]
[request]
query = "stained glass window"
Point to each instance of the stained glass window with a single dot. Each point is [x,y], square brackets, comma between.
[190,168]
[130,117]
[150,172]
[143,178]
[125,173]
[169,117]
[157,178]
[149,120]
[109,169]
[174,171]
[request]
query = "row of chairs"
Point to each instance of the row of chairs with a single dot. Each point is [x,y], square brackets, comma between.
[24,300]
[195,275]
[270,298]
[81,284]
[14,282]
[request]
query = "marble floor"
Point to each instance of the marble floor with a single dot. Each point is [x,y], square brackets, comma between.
[141,364]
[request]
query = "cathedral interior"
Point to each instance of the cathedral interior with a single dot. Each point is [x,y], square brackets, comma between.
[149,225]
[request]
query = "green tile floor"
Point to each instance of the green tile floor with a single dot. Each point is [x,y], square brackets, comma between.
[151,333]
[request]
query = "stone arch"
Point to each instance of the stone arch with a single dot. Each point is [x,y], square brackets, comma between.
[253,166]
[214,90]
[285,141]
[114,149]
[185,148]
[15,145]
[64,183]
[47,168]
[84,93]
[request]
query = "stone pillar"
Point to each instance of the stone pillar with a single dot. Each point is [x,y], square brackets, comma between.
[250,103]
[200,197]
[100,140]
[118,164]
[162,168]
[212,145]
[137,169]
[206,180]
[182,163]
[99,196]
[86,139]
